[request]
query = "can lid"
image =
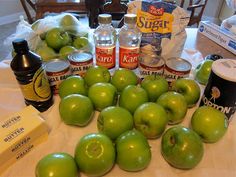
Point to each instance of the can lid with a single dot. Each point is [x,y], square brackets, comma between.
[104,18]
[130,18]
[56,65]
[178,64]
[225,68]
[80,56]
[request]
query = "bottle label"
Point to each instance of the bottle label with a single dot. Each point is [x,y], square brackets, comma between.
[38,89]
[106,56]
[128,57]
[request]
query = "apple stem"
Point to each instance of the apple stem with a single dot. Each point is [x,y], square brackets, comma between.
[172,140]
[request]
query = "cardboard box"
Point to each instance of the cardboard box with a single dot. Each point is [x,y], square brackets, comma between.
[219,35]
[19,134]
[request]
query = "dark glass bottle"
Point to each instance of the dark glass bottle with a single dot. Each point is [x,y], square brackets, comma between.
[27,67]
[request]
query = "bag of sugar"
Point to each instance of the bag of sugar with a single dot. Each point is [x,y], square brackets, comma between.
[162,25]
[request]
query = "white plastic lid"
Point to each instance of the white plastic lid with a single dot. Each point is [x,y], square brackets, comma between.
[225,68]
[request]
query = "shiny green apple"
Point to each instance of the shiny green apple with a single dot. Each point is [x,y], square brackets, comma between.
[123,77]
[66,50]
[150,119]
[133,151]
[132,97]
[181,147]
[57,38]
[95,154]
[175,105]
[56,165]
[202,72]
[114,120]
[189,88]
[155,86]
[102,95]
[209,123]
[76,109]
[72,85]
[96,74]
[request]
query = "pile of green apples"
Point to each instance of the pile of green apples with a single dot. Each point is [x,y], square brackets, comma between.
[62,39]
[130,113]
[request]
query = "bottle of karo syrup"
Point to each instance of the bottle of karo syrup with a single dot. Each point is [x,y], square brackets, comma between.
[28,70]
[105,42]
[129,43]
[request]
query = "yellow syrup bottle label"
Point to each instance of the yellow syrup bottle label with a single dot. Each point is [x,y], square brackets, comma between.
[38,89]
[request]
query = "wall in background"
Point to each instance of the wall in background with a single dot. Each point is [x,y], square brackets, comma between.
[10,11]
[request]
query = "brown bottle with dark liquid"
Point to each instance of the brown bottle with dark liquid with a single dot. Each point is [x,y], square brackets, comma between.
[28,70]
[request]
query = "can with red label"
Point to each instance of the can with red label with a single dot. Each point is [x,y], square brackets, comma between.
[56,71]
[220,92]
[80,62]
[176,68]
[151,65]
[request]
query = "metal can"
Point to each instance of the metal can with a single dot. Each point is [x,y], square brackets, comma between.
[80,62]
[220,92]
[56,71]
[154,65]
[176,68]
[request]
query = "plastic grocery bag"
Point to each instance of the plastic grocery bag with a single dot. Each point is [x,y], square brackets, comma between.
[24,30]
[162,25]
[230,24]
[35,34]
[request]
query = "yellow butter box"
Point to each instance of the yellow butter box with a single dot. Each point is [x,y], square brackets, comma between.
[20,133]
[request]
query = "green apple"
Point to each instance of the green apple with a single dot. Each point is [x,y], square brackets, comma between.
[57,165]
[96,74]
[189,88]
[37,27]
[95,154]
[209,123]
[72,85]
[81,42]
[46,53]
[175,106]
[150,119]
[123,77]
[181,147]
[132,97]
[133,151]
[69,23]
[76,109]
[202,72]
[57,38]
[155,86]
[114,120]
[102,95]
[66,50]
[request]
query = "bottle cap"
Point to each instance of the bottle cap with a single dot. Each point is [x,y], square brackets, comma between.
[104,18]
[130,18]
[20,44]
